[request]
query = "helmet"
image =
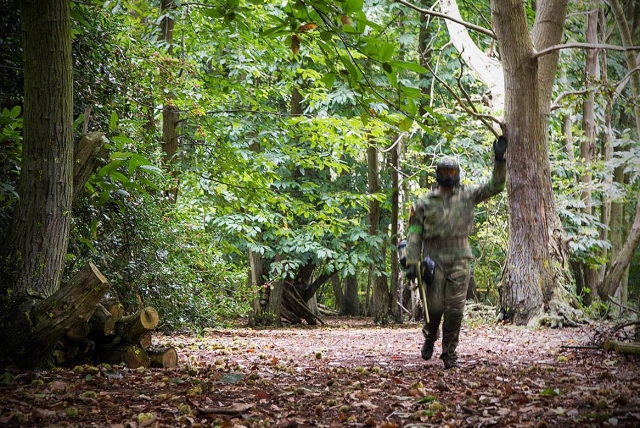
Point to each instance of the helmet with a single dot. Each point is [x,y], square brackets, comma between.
[448,173]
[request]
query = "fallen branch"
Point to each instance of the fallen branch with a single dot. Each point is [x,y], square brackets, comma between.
[626,308]
[625,348]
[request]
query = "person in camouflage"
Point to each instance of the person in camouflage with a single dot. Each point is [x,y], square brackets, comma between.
[439,226]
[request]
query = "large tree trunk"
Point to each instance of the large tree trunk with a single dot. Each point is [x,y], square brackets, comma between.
[34,253]
[537,268]
[32,258]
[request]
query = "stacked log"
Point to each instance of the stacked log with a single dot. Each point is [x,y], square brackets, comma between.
[111,337]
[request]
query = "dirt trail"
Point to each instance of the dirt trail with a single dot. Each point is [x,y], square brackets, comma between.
[347,373]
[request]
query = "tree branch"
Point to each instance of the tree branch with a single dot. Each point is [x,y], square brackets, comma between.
[556,103]
[482,117]
[443,16]
[583,46]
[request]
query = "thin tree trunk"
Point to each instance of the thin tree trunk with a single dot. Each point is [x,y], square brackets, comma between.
[588,146]
[380,294]
[607,150]
[396,285]
[616,272]
[170,114]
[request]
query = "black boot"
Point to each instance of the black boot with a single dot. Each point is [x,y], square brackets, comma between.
[450,363]
[427,350]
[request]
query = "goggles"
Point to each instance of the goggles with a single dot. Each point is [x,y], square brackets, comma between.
[448,172]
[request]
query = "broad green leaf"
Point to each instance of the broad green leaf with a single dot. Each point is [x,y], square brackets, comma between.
[108,168]
[352,6]
[113,121]
[409,66]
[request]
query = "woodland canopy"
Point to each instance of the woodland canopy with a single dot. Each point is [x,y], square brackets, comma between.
[256,159]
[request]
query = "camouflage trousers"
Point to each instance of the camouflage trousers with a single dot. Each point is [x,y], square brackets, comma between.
[446,299]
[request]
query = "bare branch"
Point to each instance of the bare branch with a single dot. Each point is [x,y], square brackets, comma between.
[470,111]
[583,46]
[444,16]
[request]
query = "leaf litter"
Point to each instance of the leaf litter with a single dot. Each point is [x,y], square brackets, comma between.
[345,373]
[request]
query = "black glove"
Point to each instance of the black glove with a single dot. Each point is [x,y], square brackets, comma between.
[411,272]
[500,148]
[428,267]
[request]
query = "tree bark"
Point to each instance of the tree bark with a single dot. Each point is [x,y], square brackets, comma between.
[381,301]
[170,113]
[616,272]
[537,254]
[33,255]
[588,146]
[88,155]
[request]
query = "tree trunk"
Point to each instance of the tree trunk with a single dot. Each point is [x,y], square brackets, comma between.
[133,356]
[34,253]
[588,146]
[338,293]
[170,114]
[537,255]
[616,272]
[101,322]
[36,310]
[396,284]
[351,300]
[381,301]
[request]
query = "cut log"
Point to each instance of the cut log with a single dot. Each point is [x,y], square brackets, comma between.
[165,358]
[101,322]
[78,331]
[133,356]
[626,348]
[145,341]
[114,307]
[132,327]
[34,336]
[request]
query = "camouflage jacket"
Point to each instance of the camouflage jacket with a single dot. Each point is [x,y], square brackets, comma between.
[441,222]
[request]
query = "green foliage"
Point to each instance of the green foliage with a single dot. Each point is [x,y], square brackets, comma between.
[155,258]
[10,155]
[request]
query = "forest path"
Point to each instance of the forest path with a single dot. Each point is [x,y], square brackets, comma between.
[345,373]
